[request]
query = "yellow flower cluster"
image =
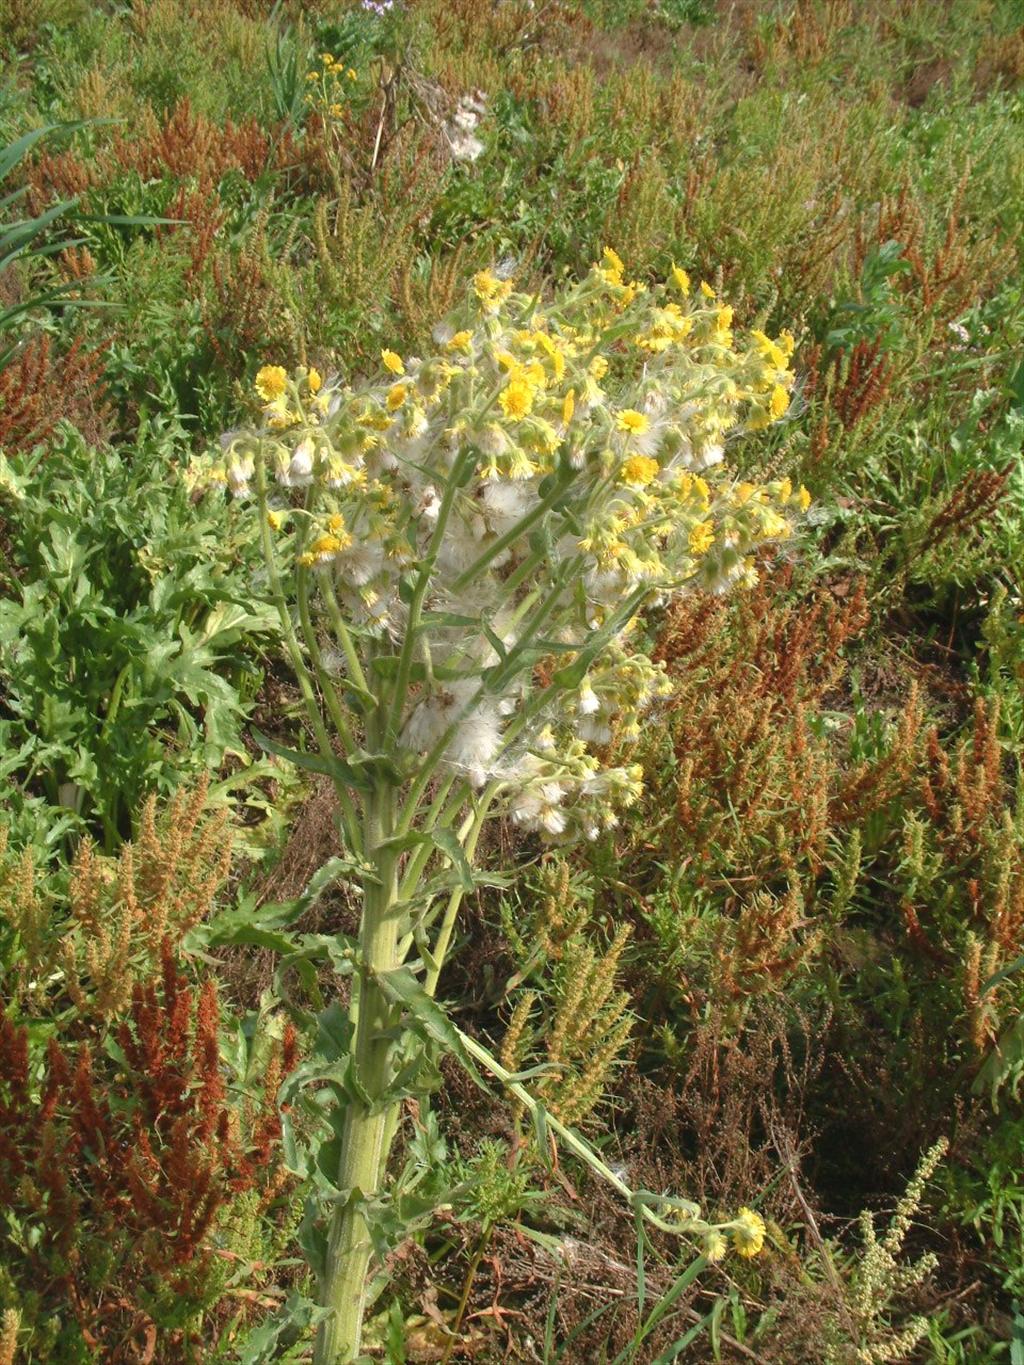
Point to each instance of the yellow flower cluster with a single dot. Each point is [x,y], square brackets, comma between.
[329,84]
[556,467]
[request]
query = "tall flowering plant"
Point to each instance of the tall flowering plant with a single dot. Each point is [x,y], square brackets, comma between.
[459,550]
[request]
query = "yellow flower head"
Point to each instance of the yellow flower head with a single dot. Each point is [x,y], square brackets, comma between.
[611,266]
[271,381]
[324,548]
[491,291]
[461,341]
[803,498]
[314,380]
[748,1233]
[568,406]
[396,396]
[516,399]
[701,538]
[275,520]
[598,367]
[680,279]
[636,423]
[707,290]
[553,353]
[393,362]
[771,350]
[335,523]
[773,525]
[639,470]
[779,402]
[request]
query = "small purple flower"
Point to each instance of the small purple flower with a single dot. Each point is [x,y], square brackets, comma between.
[378,7]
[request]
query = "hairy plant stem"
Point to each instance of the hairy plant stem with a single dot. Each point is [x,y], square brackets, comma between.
[370,1121]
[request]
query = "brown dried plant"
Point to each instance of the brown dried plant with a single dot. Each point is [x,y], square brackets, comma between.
[806,36]
[763,945]
[161,886]
[950,267]
[9,1325]
[430,293]
[199,216]
[39,388]
[962,872]
[584,1032]
[849,388]
[138,1157]
[577,1022]
[121,912]
[753,782]
[122,1132]
[188,146]
[244,304]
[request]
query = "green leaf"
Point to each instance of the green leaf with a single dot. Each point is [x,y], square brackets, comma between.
[447,841]
[400,986]
[315,763]
[1009,970]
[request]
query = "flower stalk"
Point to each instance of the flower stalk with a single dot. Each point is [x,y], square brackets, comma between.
[476,532]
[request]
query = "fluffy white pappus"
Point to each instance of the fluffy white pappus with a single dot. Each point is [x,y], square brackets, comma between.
[424,726]
[588,702]
[502,504]
[239,472]
[360,562]
[475,743]
[491,439]
[460,546]
[711,454]
[682,459]
[334,662]
[648,442]
[428,507]
[299,473]
[594,729]
[605,586]
[465,120]
[539,807]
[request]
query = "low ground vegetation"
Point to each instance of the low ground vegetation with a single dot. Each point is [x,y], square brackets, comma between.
[789,978]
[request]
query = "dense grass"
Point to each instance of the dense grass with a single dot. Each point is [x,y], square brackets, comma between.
[827,870]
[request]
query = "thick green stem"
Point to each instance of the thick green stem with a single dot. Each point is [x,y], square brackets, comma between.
[370,1124]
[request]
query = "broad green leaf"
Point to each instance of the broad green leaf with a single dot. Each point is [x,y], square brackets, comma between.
[401,986]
